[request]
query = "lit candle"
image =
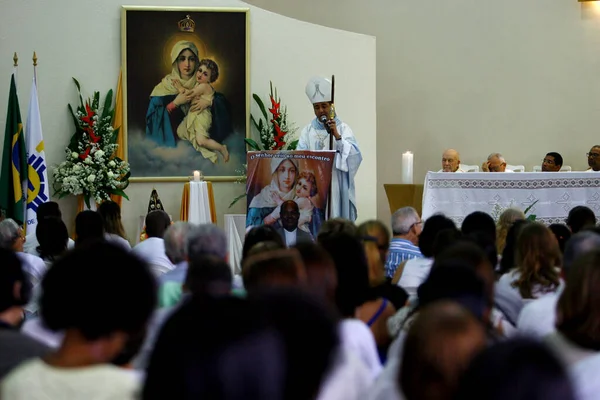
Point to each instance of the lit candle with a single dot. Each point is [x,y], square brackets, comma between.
[196,176]
[407,167]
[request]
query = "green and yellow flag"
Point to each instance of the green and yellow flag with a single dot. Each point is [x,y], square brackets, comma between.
[13,175]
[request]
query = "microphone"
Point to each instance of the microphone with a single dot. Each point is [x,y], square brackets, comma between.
[323,120]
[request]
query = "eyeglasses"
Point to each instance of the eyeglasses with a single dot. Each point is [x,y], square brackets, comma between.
[545,160]
[592,155]
[415,224]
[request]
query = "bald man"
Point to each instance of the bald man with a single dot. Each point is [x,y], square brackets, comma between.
[495,163]
[451,161]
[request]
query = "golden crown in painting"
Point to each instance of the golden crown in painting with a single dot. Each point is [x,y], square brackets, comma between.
[187,24]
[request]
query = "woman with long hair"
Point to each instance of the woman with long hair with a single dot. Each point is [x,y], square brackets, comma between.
[506,220]
[113,226]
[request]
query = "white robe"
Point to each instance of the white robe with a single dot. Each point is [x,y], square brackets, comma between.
[347,160]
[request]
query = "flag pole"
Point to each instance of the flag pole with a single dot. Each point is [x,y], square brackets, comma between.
[35,67]
[15,67]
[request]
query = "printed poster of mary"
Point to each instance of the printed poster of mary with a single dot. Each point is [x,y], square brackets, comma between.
[186,92]
[277,177]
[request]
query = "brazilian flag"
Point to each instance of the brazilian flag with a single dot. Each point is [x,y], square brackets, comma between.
[13,175]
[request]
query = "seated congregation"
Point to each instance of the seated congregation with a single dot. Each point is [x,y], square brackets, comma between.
[489,310]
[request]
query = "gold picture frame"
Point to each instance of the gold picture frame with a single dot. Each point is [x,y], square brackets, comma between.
[164,142]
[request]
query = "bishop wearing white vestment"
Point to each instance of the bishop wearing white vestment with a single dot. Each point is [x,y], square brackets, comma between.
[315,136]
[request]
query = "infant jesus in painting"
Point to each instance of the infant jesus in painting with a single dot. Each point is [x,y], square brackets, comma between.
[196,124]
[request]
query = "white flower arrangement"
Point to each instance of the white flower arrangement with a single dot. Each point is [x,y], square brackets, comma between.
[90,168]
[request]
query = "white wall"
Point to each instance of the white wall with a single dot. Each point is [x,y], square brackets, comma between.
[82,39]
[518,77]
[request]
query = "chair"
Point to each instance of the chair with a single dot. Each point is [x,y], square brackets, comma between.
[469,168]
[564,168]
[516,168]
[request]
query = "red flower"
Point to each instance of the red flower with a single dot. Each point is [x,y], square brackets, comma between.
[275,109]
[279,135]
[85,154]
[90,114]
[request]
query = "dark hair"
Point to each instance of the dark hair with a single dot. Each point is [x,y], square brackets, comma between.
[508,260]
[467,253]
[558,160]
[208,275]
[562,233]
[48,209]
[240,357]
[439,345]
[516,369]
[579,244]
[580,217]
[103,297]
[578,308]
[12,273]
[157,222]
[212,67]
[272,268]
[485,243]
[453,280]
[433,225]
[537,258]
[52,236]
[480,222]
[262,233]
[444,239]
[320,270]
[88,228]
[310,334]
[111,216]
[130,349]
[348,255]
[334,226]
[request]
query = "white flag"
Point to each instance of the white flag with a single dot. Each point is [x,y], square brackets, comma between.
[37,185]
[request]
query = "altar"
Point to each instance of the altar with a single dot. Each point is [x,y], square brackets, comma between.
[552,194]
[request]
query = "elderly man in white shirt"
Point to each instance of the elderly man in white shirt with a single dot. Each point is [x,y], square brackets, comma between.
[12,238]
[495,163]
[152,250]
[450,161]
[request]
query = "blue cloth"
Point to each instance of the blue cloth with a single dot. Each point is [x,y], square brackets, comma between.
[400,250]
[161,126]
[256,215]
[220,127]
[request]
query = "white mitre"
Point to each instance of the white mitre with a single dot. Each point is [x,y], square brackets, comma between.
[318,90]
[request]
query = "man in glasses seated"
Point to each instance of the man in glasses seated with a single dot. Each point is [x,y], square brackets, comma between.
[552,162]
[593,158]
[406,228]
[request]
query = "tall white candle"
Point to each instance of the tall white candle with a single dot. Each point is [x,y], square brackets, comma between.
[407,167]
[196,176]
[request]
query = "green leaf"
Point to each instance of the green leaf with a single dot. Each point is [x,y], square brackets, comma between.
[255,123]
[86,198]
[238,198]
[107,103]
[115,136]
[119,192]
[292,145]
[96,101]
[261,105]
[77,84]
[252,144]
[531,217]
[530,207]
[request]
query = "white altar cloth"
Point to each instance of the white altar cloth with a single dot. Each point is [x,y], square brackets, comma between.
[458,195]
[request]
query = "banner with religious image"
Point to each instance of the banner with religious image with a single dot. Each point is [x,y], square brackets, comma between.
[289,190]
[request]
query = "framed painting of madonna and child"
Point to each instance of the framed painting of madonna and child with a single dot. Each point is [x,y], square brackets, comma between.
[186,92]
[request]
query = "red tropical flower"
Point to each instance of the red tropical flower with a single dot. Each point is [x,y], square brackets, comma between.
[90,114]
[85,154]
[279,135]
[275,108]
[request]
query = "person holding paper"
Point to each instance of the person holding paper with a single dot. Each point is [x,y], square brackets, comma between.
[316,136]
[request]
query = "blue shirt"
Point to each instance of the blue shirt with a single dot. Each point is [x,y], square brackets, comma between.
[400,250]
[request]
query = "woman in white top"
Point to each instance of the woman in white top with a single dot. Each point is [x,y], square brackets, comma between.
[537,273]
[113,227]
[577,334]
[98,314]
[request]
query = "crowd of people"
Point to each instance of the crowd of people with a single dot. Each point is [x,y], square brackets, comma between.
[552,162]
[489,309]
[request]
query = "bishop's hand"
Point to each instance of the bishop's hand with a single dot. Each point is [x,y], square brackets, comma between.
[332,129]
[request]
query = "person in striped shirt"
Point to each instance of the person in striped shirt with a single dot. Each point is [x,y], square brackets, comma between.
[406,228]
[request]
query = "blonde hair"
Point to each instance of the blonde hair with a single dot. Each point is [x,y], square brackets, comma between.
[506,220]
